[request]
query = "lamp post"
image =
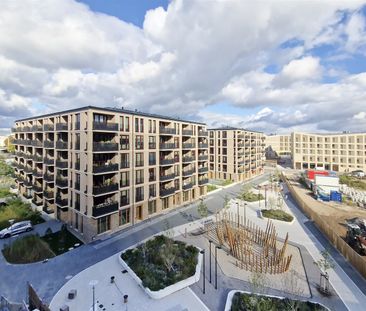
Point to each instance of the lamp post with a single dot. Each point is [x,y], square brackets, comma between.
[210,258]
[237,208]
[265,196]
[92,284]
[204,271]
[216,247]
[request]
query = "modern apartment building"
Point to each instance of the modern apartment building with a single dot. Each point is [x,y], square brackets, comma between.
[343,152]
[278,145]
[102,169]
[235,154]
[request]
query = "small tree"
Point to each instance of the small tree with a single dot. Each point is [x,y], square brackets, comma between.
[291,285]
[324,264]
[202,209]
[271,202]
[257,282]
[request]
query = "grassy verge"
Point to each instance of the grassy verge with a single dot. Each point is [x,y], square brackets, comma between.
[250,302]
[251,197]
[59,242]
[18,210]
[211,188]
[277,214]
[352,182]
[28,249]
[226,182]
[161,262]
[4,192]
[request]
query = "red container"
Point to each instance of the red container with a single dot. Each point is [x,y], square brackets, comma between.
[311,173]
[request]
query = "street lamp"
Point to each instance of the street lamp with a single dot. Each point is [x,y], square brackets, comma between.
[265,196]
[92,284]
[216,247]
[204,270]
[237,207]
[210,258]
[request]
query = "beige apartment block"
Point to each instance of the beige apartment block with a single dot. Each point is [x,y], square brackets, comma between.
[278,145]
[235,154]
[103,169]
[343,152]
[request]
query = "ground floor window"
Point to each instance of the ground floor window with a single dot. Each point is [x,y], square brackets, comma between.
[124,217]
[165,203]
[152,207]
[104,224]
[185,196]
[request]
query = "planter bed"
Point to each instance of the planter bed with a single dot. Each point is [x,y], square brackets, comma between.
[277,214]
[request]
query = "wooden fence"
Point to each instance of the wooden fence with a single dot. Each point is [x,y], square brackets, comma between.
[34,301]
[347,251]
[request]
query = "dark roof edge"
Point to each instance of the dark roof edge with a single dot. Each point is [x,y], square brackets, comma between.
[109,109]
[233,129]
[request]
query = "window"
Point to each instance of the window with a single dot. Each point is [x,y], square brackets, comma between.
[125,179]
[125,163]
[152,207]
[141,125]
[104,224]
[124,217]
[136,125]
[127,124]
[152,174]
[139,194]
[121,123]
[154,126]
[125,142]
[152,142]
[152,158]
[139,159]
[139,177]
[139,143]
[152,191]
[125,197]
[150,126]
[99,118]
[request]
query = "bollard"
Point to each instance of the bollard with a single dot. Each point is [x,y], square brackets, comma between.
[125,298]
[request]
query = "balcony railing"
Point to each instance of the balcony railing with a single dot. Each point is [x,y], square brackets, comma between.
[166,192]
[187,186]
[49,177]
[187,159]
[48,127]
[37,158]
[203,181]
[167,161]
[167,177]
[48,144]
[62,202]
[105,208]
[49,161]
[202,157]
[167,130]
[48,194]
[61,163]
[36,202]
[102,126]
[105,188]
[28,170]
[187,132]
[37,189]
[188,172]
[27,183]
[37,174]
[167,146]
[61,127]
[202,169]
[63,183]
[202,133]
[202,146]
[105,168]
[188,146]
[61,145]
[102,146]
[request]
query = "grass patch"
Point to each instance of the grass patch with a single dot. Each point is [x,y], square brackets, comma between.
[211,188]
[277,214]
[226,182]
[161,262]
[5,169]
[30,248]
[251,197]
[59,242]
[18,210]
[251,302]
[352,182]
[4,192]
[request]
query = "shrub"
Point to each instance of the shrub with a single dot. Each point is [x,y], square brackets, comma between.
[211,188]
[251,197]
[277,214]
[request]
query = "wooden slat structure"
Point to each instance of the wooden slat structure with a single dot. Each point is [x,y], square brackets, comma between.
[255,249]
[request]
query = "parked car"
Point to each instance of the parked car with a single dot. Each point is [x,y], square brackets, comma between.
[19,227]
[358,173]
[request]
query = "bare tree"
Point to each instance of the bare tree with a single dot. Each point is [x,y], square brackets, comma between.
[271,202]
[324,264]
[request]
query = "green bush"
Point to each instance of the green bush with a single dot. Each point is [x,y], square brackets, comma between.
[211,188]
[226,182]
[277,214]
[4,192]
[352,182]
[161,262]
[251,197]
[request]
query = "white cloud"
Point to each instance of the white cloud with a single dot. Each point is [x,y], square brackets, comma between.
[360,116]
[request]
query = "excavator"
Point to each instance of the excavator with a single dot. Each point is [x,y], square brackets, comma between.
[356,235]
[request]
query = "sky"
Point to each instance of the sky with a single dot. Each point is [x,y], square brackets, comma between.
[272,66]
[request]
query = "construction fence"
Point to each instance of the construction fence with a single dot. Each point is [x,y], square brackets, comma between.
[357,261]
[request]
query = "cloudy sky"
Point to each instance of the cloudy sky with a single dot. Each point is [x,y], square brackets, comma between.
[274,66]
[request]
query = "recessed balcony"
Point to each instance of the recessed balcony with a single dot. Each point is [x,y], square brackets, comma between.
[48,127]
[62,182]
[187,186]
[61,127]
[202,157]
[102,189]
[48,144]
[202,146]
[49,161]
[37,158]
[49,195]
[202,133]
[167,131]
[105,126]
[62,202]
[105,146]
[105,208]
[188,146]
[105,168]
[187,159]
[202,182]
[61,163]
[187,132]
[167,191]
[202,170]
[167,177]
[167,161]
[37,202]
[188,172]
[167,146]
[37,174]
[37,189]
[37,128]
[61,145]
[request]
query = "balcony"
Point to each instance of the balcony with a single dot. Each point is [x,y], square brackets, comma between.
[104,146]
[167,177]
[167,146]
[20,180]
[26,129]
[105,208]
[37,189]
[36,202]
[62,182]
[28,170]
[27,195]
[20,154]
[202,169]
[37,128]
[105,168]
[167,161]
[62,202]
[202,133]
[61,127]
[202,146]
[166,192]
[187,159]
[187,186]
[37,174]
[187,132]
[27,184]
[48,127]
[49,195]
[97,190]
[20,167]
[61,145]
[202,157]
[49,161]
[102,126]
[167,130]
[49,177]
[37,158]
[48,144]
[188,146]
[61,163]
[188,172]
[203,181]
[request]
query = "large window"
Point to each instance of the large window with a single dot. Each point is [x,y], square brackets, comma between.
[125,179]
[125,163]
[125,142]
[139,194]
[139,159]
[139,177]
[100,118]
[152,207]
[152,158]
[139,143]
[152,191]
[125,197]
[152,142]
[124,217]
[104,224]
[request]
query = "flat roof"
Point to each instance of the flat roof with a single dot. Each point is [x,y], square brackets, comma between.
[331,134]
[230,128]
[111,109]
